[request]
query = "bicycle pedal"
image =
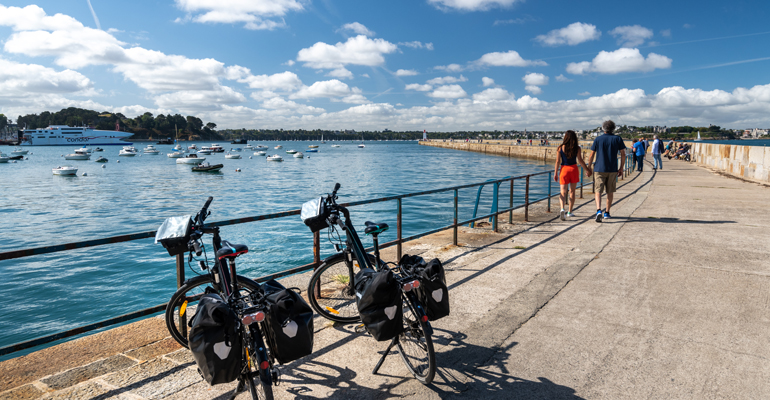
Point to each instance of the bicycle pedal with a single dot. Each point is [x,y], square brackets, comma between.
[360,328]
[276,375]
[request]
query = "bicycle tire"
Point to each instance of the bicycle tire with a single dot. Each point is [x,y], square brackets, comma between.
[176,306]
[415,347]
[263,388]
[338,298]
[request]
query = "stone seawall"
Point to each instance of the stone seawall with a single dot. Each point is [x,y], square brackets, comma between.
[541,153]
[746,162]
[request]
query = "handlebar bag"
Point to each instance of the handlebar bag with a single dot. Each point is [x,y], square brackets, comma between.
[379,303]
[214,340]
[314,214]
[174,234]
[433,292]
[289,323]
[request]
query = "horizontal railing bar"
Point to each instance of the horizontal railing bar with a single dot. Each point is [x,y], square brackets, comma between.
[76,331]
[9,255]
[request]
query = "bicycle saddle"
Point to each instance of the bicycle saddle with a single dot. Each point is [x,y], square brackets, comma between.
[231,250]
[375,228]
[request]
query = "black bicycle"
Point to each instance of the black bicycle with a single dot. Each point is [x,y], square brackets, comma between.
[244,296]
[332,294]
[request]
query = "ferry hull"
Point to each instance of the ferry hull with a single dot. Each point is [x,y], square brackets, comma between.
[63,135]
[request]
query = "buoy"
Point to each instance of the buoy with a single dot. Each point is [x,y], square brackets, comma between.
[104,166]
[62,155]
[14,161]
[237,170]
[85,173]
[27,158]
[249,157]
[118,161]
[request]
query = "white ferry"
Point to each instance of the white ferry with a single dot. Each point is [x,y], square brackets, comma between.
[64,135]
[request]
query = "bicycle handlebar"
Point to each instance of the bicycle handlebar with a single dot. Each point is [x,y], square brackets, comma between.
[203,213]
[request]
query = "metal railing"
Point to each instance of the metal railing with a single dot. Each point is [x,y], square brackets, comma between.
[495,212]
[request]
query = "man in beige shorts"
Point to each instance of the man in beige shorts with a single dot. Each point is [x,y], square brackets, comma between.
[606,148]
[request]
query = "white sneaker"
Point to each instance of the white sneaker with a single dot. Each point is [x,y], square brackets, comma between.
[561,215]
[569,215]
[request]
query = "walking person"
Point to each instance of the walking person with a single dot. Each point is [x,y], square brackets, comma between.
[606,148]
[633,155]
[639,150]
[567,157]
[657,150]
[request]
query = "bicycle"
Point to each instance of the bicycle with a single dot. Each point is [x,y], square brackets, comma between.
[332,295]
[244,296]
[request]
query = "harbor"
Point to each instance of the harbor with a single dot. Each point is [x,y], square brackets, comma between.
[645,305]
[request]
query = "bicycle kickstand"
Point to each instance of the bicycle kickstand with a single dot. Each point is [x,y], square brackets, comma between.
[387,352]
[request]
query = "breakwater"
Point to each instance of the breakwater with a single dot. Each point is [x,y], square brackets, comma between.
[745,162]
[541,153]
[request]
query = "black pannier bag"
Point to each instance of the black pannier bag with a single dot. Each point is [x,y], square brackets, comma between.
[214,340]
[379,303]
[289,323]
[314,214]
[174,234]
[433,292]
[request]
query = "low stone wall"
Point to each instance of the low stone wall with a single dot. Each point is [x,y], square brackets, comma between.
[541,153]
[746,162]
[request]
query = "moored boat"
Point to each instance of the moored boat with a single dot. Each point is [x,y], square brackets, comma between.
[232,156]
[101,159]
[278,147]
[335,145]
[79,154]
[206,167]
[274,157]
[291,151]
[190,159]
[176,154]
[204,152]
[299,155]
[260,153]
[4,158]
[18,151]
[65,170]
[313,146]
[311,151]
[150,149]
[127,151]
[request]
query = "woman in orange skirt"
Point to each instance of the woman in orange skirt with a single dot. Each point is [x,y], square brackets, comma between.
[567,157]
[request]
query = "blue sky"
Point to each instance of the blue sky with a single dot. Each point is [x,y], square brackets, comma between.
[439,65]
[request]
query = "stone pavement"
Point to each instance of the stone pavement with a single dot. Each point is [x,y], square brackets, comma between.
[668,299]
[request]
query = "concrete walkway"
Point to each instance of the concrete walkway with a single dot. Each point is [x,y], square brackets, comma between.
[668,299]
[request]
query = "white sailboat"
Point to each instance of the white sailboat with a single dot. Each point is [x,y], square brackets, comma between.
[698,139]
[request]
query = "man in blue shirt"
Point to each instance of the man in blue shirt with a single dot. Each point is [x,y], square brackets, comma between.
[639,150]
[606,148]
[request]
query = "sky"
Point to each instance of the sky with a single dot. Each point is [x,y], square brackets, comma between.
[437,65]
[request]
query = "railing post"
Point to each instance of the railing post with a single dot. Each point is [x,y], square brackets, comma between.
[398,231]
[549,191]
[510,206]
[581,182]
[454,235]
[494,206]
[526,201]
[179,283]
[317,249]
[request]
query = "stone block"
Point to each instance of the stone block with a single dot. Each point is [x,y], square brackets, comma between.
[26,392]
[81,374]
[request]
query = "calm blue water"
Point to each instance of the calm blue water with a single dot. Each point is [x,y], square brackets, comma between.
[55,292]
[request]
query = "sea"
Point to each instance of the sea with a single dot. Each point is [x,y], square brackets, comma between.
[46,294]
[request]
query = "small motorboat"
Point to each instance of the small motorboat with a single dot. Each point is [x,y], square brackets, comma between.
[65,170]
[215,148]
[335,145]
[192,147]
[299,155]
[361,146]
[232,156]
[260,153]
[278,147]
[176,154]
[79,154]
[238,149]
[206,167]
[291,151]
[85,149]
[313,146]
[178,148]
[311,151]
[4,158]
[150,149]
[127,151]
[98,149]
[204,152]
[259,146]
[249,147]
[102,159]
[18,151]
[275,157]
[190,159]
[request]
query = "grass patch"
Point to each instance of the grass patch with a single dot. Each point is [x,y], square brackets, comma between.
[343,279]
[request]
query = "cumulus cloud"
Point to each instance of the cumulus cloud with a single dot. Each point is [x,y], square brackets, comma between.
[487,81]
[288,106]
[450,68]
[535,78]
[196,101]
[418,87]
[24,80]
[417,45]
[331,89]
[507,59]
[584,94]
[255,14]
[632,35]
[471,5]
[533,89]
[446,79]
[493,94]
[448,92]
[357,28]
[284,81]
[562,78]
[341,73]
[573,34]
[618,61]
[359,50]
[406,72]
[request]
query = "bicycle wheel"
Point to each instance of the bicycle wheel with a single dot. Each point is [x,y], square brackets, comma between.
[330,291]
[183,303]
[260,381]
[415,347]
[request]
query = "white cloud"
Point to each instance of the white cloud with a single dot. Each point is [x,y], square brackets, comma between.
[471,5]
[359,50]
[508,59]
[418,87]
[281,104]
[533,89]
[284,81]
[446,79]
[357,28]
[263,95]
[632,35]
[573,34]
[493,94]
[448,92]
[535,78]
[341,73]
[665,33]
[22,80]
[196,101]
[417,45]
[332,89]
[254,14]
[562,78]
[355,99]
[618,61]
[406,72]
[450,68]
[487,81]
[584,94]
